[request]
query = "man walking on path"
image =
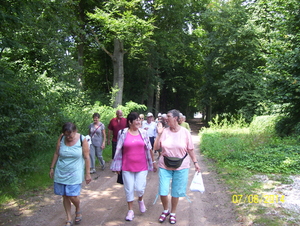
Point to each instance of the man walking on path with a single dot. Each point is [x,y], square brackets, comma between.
[150,126]
[114,126]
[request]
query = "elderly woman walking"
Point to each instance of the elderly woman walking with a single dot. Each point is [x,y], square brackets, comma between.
[97,134]
[176,143]
[134,157]
[70,157]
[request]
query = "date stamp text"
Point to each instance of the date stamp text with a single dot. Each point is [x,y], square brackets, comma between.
[263,198]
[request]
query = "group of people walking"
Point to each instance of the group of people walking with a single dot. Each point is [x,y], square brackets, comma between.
[133,144]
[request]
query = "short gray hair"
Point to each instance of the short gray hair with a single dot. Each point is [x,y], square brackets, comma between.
[175,113]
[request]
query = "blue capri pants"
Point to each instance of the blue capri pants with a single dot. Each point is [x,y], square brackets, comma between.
[178,185]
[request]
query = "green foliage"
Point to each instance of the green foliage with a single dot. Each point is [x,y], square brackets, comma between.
[113,94]
[28,161]
[281,71]
[120,21]
[282,159]
[228,121]
[82,117]
[225,56]
[286,125]
[242,153]
[264,124]
[255,148]
[230,47]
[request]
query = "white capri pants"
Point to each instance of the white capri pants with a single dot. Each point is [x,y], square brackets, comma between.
[134,181]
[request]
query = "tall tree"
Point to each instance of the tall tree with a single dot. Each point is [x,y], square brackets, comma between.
[231,47]
[128,31]
[281,72]
[38,78]
[169,60]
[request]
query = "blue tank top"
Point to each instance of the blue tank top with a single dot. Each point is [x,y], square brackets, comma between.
[69,168]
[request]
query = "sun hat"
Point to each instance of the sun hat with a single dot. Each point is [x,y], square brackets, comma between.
[149,114]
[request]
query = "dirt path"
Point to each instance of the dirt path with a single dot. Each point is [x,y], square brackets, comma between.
[103,202]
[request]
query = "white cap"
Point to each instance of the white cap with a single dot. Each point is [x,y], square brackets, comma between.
[149,114]
[159,114]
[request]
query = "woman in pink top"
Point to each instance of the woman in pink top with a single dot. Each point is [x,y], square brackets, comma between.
[175,141]
[134,157]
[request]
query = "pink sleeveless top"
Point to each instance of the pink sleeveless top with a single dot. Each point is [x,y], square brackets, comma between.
[134,156]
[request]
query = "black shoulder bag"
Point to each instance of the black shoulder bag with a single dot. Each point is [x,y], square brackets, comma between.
[120,178]
[173,162]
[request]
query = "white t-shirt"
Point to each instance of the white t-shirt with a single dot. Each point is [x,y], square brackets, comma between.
[152,132]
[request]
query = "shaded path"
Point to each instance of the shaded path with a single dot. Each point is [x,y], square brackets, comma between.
[103,202]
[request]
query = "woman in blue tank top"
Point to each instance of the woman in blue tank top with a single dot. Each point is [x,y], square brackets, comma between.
[71,157]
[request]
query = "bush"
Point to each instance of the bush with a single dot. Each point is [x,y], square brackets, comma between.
[285,126]
[263,124]
[256,148]
[82,117]
[29,148]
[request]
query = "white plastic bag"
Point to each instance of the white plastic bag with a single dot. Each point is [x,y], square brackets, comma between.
[197,183]
[88,139]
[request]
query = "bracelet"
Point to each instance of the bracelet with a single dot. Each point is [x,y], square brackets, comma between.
[51,167]
[154,162]
[195,163]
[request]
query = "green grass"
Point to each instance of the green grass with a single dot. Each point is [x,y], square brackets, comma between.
[239,152]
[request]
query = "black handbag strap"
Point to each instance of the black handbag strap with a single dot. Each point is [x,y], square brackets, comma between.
[185,155]
[182,158]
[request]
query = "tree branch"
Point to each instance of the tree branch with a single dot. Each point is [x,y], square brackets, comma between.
[97,40]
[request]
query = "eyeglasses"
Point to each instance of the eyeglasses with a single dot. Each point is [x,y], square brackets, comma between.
[70,135]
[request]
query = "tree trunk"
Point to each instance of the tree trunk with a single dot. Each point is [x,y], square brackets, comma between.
[157,99]
[150,98]
[81,40]
[118,58]
[208,112]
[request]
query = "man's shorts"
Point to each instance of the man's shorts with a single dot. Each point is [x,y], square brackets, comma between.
[67,190]
[179,182]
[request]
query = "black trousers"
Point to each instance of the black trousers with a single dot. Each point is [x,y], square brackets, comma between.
[114,147]
[152,139]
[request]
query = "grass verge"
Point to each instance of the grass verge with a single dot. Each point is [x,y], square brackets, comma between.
[257,166]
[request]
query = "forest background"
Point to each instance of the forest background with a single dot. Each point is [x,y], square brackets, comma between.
[64,60]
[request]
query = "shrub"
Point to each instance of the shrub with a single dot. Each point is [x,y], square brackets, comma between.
[256,148]
[263,124]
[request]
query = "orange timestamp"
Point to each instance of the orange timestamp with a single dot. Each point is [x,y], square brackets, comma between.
[264,198]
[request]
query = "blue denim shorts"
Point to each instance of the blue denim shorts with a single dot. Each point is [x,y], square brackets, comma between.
[67,190]
[178,185]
